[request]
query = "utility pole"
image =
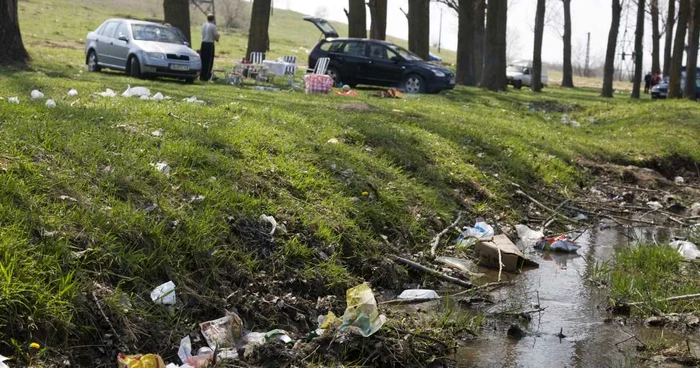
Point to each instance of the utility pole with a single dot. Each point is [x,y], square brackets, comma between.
[586,71]
[440,33]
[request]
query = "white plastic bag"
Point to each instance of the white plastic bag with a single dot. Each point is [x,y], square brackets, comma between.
[72,92]
[480,232]
[13,99]
[164,294]
[136,91]
[411,294]
[50,104]
[687,249]
[158,96]
[37,95]
[108,93]
[528,236]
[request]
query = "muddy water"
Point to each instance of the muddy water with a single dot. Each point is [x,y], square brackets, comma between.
[573,306]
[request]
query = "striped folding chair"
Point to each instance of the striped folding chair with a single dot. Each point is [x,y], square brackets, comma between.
[322,65]
[290,70]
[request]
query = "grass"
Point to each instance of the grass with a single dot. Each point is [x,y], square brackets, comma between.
[650,274]
[83,211]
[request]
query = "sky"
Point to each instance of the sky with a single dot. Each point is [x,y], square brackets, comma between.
[592,16]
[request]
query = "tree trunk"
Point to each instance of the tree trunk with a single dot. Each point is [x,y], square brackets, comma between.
[674,86]
[494,76]
[177,13]
[655,38]
[668,43]
[377,10]
[568,73]
[638,49]
[609,69]
[12,50]
[479,23]
[259,22]
[537,54]
[419,28]
[357,19]
[691,64]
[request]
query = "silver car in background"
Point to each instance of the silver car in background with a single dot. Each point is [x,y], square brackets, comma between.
[141,49]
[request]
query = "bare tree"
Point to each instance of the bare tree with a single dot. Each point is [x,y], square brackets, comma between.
[668,43]
[674,86]
[494,76]
[419,27]
[567,77]
[609,69]
[512,44]
[177,13]
[357,19]
[378,11]
[537,52]
[638,49]
[235,13]
[258,36]
[12,50]
[691,64]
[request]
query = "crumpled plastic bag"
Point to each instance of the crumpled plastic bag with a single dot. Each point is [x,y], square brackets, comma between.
[13,100]
[362,316]
[37,95]
[687,249]
[157,97]
[193,99]
[329,321]
[222,332]
[528,236]
[50,103]
[136,91]
[108,93]
[140,361]
[72,92]
[558,244]
[470,235]
[164,294]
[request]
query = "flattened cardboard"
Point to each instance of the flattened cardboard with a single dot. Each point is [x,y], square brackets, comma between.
[512,258]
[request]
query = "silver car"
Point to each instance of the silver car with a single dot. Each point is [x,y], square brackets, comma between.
[140,49]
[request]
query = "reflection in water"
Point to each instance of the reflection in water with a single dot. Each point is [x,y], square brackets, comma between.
[571,304]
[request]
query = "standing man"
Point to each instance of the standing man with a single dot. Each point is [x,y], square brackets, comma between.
[647,82]
[209,36]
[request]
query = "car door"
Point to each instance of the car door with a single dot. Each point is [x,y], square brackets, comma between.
[119,48]
[384,66]
[351,60]
[103,43]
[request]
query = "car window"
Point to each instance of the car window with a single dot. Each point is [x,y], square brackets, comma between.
[325,46]
[403,52]
[354,49]
[122,30]
[336,46]
[108,30]
[377,51]
[149,32]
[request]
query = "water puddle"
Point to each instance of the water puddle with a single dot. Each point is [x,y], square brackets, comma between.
[573,306]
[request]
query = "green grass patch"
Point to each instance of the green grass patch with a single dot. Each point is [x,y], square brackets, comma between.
[650,274]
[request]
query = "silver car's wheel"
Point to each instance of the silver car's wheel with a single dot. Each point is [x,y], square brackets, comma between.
[92,64]
[414,84]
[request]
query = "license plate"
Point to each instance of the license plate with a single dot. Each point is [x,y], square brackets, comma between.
[179,67]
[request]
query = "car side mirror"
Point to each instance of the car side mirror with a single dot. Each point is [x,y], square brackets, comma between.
[395,59]
[123,38]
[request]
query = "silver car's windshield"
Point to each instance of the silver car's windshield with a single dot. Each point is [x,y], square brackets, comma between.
[148,32]
[404,53]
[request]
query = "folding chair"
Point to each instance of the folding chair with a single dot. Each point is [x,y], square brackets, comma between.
[291,69]
[255,69]
[322,65]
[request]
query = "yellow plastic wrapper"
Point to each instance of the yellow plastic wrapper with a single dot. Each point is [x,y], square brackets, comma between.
[362,316]
[330,321]
[140,361]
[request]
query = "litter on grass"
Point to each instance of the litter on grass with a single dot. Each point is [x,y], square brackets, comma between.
[164,294]
[193,99]
[362,316]
[13,99]
[464,265]
[50,104]
[222,332]
[72,92]
[470,235]
[37,95]
[140,361]
[136,91]
[162,167]
[558,244]
[108,93]
[412,294]
[687,249]
[157,133]
[157,97]
[271,220]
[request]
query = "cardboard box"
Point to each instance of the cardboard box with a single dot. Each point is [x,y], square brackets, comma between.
[512,258]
